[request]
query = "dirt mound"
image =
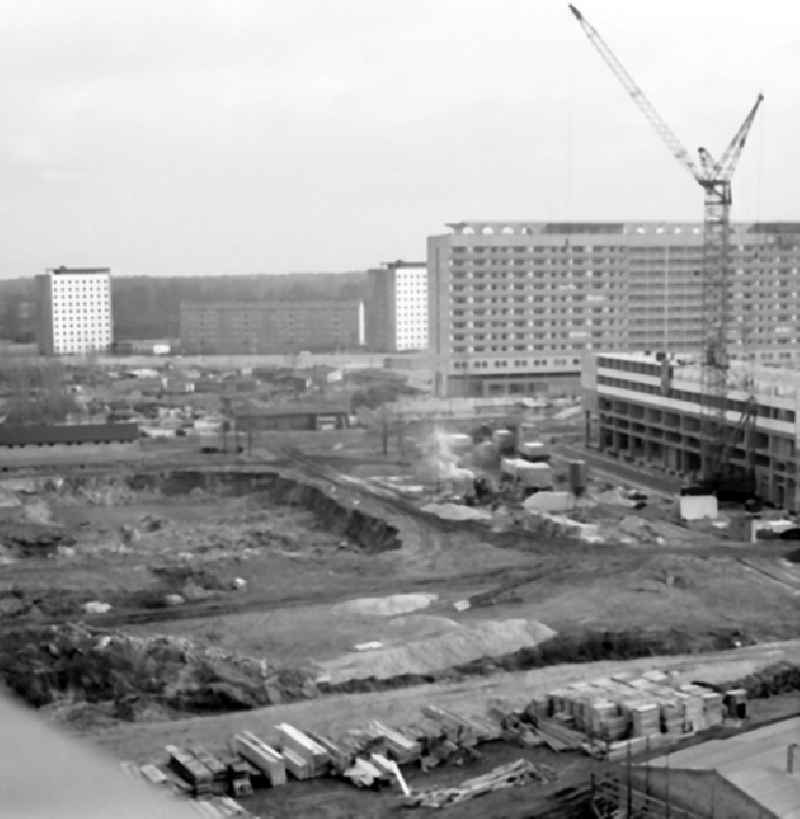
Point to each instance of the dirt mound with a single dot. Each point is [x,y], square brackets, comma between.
[458,644]
[133,675]
[34,539]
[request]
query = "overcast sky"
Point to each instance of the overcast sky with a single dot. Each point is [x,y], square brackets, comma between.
[252,136]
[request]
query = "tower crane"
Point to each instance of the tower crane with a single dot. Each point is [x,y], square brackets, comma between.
[714,177]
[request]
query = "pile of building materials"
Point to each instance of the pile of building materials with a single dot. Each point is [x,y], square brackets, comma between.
[625,713]
[512,775]
[263,757]
[549,502]
[610,717]
[212,806]
[547,525]
[534,451]
[529,475]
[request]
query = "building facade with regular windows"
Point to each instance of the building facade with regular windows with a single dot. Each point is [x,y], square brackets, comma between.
[74,311]
[514,306]
[271,327]
[396,307]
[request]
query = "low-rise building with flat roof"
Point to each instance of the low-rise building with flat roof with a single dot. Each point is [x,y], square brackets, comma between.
[655,408]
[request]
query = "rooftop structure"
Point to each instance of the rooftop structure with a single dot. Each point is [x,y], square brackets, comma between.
[516,304]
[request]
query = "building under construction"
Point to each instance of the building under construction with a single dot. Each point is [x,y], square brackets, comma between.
[656,409]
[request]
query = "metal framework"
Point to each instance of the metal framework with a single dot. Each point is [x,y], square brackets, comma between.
[714,177]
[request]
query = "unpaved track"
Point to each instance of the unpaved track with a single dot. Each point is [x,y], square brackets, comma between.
[335,714]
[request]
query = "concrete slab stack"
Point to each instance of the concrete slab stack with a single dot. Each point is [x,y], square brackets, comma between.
[400,747]
[301,745]
[262,756]
[645,720]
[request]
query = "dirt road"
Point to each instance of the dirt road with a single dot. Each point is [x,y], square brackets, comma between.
[335,714]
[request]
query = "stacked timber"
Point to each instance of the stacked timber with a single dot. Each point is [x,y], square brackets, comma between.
[341,758]
[296,745]
[153,774]
[403,749]
[262,756]
[191,770]
[219,771]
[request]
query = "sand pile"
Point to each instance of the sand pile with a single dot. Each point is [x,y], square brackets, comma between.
[459,643]
[386,606]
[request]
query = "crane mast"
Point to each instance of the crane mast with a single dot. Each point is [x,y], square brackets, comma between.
[714,177]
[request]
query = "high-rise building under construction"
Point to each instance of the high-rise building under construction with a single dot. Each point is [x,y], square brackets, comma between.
[515,305]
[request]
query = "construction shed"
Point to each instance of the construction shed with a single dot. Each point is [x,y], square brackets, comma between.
[752,774]
[296,417]
[69,434]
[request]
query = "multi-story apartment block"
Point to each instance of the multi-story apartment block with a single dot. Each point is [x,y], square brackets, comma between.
[271,327]
[653,408]
[396,308]
[515,305]
[74,310]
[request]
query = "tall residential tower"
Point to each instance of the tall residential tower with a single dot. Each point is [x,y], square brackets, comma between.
[396,307]
[74,310]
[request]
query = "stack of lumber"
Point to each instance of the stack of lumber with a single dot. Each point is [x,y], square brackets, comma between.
[304,757]
[558,737]
[516,773]
[219,771]
[399,747]
[262,756]
[191,770]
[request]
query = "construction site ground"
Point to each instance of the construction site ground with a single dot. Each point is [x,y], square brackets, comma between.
[320,564]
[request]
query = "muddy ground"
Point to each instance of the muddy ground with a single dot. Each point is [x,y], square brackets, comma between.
[239,588]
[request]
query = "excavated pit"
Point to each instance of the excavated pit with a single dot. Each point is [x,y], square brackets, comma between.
[371,533]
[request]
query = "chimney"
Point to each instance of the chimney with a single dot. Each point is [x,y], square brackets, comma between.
[793,759]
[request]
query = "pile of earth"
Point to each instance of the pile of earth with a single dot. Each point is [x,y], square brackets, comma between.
[33,539]
[133,674]
[779,678]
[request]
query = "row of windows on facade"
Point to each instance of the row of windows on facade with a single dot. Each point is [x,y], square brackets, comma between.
[519,348]
[569,248]
[762,410]
[503,364]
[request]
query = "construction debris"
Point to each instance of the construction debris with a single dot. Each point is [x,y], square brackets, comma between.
[521,772]
[364,774]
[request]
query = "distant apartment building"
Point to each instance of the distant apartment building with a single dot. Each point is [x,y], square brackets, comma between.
[515,305]
[271,327]
[74,310]
[396,307]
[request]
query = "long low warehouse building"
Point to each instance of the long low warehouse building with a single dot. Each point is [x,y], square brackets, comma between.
[13,435]
[654,409]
